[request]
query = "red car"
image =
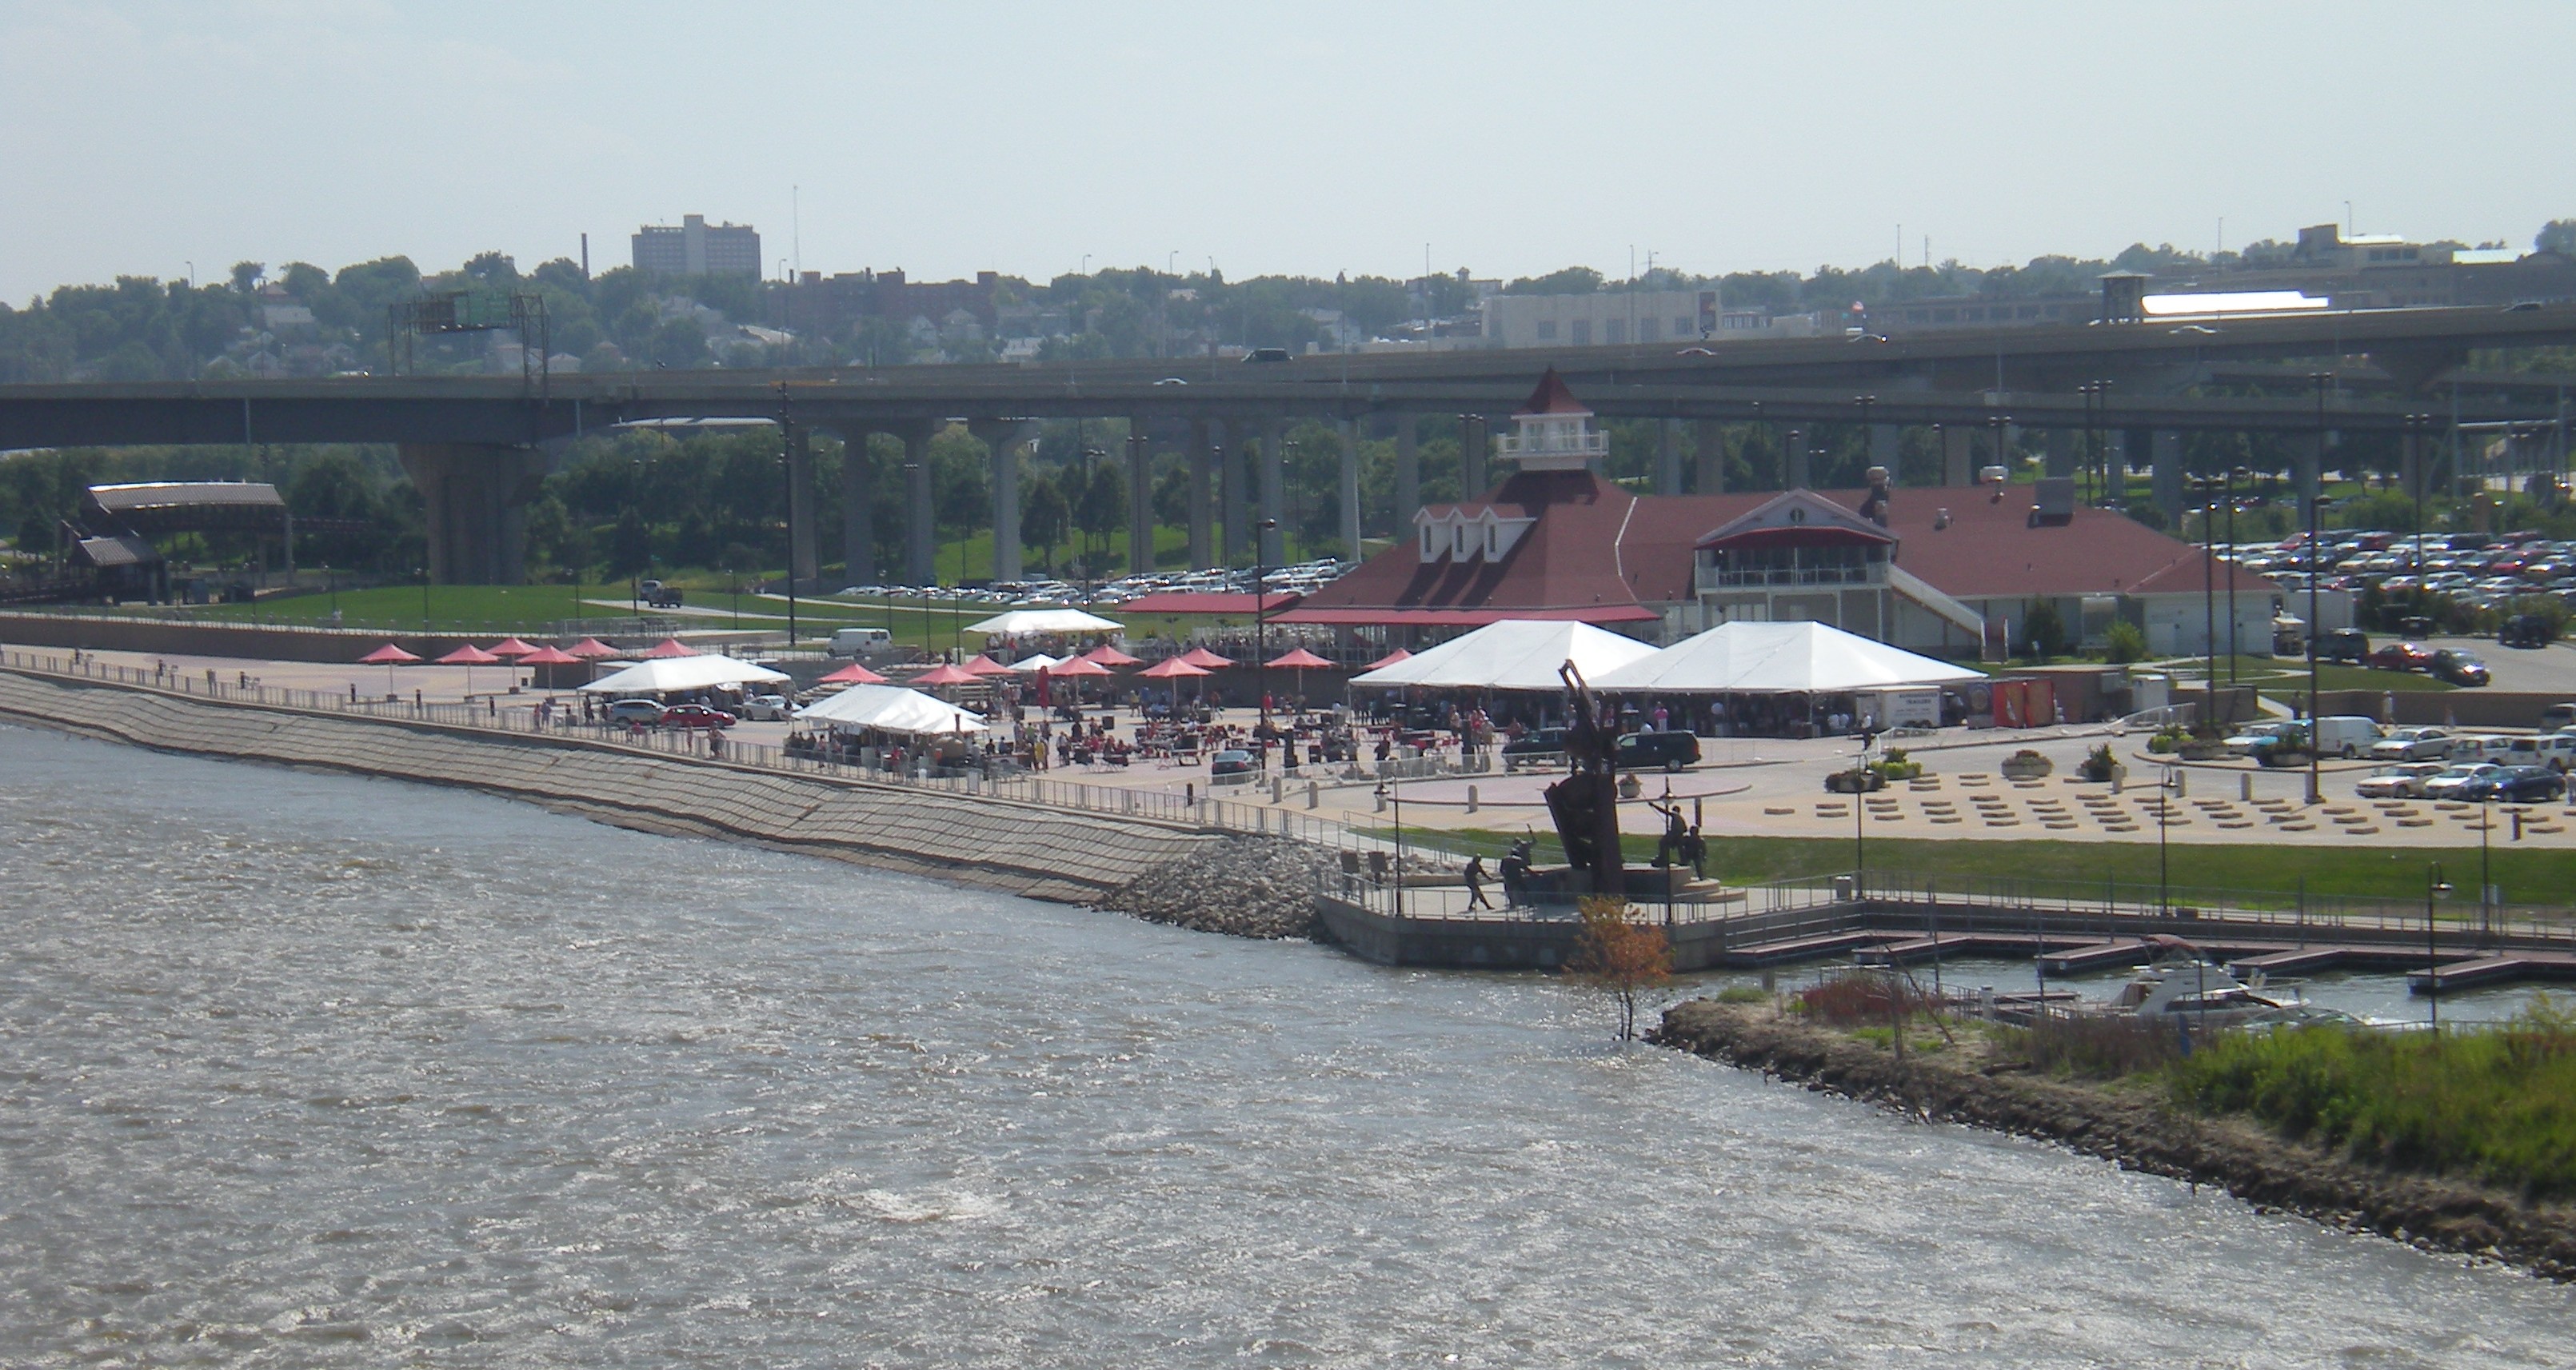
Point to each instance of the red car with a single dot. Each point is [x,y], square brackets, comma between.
[2401,656]
[695,716]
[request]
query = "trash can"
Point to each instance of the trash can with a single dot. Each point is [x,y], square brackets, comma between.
[1846,889]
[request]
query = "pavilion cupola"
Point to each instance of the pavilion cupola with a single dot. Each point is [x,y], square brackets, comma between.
[1556,432]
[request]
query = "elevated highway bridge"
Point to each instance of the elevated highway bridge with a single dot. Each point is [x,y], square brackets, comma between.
[476,445]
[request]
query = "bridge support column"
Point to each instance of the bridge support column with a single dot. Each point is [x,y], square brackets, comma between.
[1235,489]
[1668,457]
[1472,446]
[2164,476]
[1708,442]
[1958,459]
[1004,437]
[2115,468]
[1140,495]
[2060,446]
[1793,463]
[921,533]
[1883,447]
[1274,490]
[1202,483]
[475,498]
[1349,489]
[1408,470]
[2410,460]
[858,507]
[2310,450]
[800,511]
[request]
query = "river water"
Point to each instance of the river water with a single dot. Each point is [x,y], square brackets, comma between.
[312,1070]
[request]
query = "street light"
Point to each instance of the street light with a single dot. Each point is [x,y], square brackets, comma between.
[2164,814]
[2435,887]
[2315,793]
[1261,627]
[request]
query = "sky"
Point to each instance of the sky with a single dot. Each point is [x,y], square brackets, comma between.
[1034,139]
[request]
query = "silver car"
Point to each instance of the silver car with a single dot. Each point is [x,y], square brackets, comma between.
[2412,744]
[2454,778]
[2402,781]
[772,708]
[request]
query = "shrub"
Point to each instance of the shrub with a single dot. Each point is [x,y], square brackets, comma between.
[2096,1048]
[2167,740]
[2124,643]
[2098,764]
[1742,994]
[1895,766]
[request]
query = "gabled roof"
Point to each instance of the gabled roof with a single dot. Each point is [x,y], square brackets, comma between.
[1568,564]
[1795,511]
[1551,397]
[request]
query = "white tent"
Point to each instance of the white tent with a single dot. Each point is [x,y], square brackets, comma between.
[1022,622]
[1034,663]
[892,709]
[1514,654]
[1778,658]
[673,674]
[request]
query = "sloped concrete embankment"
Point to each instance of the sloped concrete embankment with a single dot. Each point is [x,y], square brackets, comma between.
[1022,849]
[2137,1131]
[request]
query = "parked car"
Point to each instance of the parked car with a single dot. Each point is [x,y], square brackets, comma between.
[1670,750]
[2405,780]
[2412,744]
[2401,656]
[2516,785]
[2346,735]
[2255,737]
[2557,717]
[769,708]
[695,716]
[2459,668]
[1232,762]
[2524,630]
[2343,644]
[643,711]
[1537,747]
[2455,777]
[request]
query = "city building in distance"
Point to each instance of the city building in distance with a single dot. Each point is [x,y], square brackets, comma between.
[697,248]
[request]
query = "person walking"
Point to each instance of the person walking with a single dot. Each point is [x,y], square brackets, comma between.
[1476,884]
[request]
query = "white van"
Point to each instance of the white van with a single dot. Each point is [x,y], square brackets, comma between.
[2491,747]
[859,641]
[2346,735]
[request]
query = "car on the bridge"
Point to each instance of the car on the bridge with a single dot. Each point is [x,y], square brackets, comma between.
[1264,355]
[2516,785]
[695,716]
[644,711]
[2404,780]
[2412,744]
[1667,749]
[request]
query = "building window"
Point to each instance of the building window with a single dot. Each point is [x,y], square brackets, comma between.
[1614,330]
[1582,333]
[1547,330]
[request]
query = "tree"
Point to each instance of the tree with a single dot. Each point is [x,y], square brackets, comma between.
[1619,954]
[1044,516]
[1102,508]
[2123,643]
[2558,235]
[2042,629]
[246,276]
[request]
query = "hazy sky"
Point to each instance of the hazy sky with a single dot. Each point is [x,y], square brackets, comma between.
[1308,138]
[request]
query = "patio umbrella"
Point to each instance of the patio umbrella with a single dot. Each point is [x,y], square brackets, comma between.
[1298,660]
[468,656]
[852,674]
[388,656]
[1174,668]
[549,656]
[668,648]
[981,665]
[511,647]
[1399,654]
[1107,655]
[943,674]
[1074,670]
[1202,657]
[592,649]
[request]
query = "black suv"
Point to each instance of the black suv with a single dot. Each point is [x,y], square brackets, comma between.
[2343,644]
[2524,630]
[1538,747]
[2459,668]
[1670,750]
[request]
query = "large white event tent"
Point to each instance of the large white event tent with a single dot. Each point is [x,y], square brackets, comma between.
[1777,658]
[670,675]
[1023,622]
[1512,654]
[892,709]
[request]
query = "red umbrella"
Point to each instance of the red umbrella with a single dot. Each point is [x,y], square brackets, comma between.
[852,674]
[1107,655]
[549,656]
[592,649]
[511,646]
[1201,656]
[468,655]
[668,648]
[1173,669]
[943,674]
[982,665]
[1074,670]
[1399,654]
[1300,659]
[387,655]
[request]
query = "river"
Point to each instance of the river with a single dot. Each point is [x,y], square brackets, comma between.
[301,1069]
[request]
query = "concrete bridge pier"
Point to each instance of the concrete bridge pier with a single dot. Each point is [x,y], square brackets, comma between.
[1348,487]
[1472,446]
[2310,456]
[2165,478]
[1274,492]
[858,505]
[1202,481]
[800,497]
[1140,494]
[1408,470]
[1235,489]
[1668,457]
[1005,438]
[1883,447]
[475,497]
[1709,450]
[1793,465]
[1958,456]
[921,531]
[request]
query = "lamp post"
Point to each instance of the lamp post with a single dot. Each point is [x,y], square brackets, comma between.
[1860,793]
[2164,867]
[2435,887]
[424,599]
[2233,651]
[2209,591]
[910,469]
[1391,789]
[2315,794]
[787,479]
[1261,629]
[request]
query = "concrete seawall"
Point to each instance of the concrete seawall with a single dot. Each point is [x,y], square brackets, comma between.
[1023,849]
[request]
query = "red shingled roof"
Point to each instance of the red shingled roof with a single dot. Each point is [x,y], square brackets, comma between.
[1600,554]
[1551,397]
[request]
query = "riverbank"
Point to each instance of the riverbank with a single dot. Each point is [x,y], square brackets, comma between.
[2134,1127]
[1019,848]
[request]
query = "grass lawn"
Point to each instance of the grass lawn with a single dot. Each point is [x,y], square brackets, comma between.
[2527,876]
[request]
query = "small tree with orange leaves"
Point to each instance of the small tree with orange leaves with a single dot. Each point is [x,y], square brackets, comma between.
[1620,955]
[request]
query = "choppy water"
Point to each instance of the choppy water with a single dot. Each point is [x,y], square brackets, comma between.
[307,1070]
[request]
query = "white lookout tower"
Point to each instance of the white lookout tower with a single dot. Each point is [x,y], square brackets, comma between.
[1556,431]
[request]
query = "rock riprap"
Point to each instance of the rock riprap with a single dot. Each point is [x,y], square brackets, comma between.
[1244,887]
